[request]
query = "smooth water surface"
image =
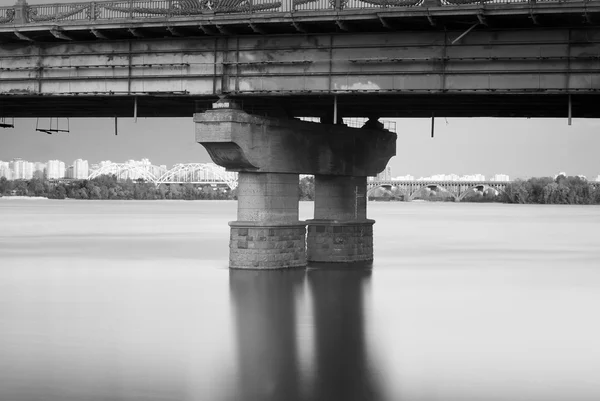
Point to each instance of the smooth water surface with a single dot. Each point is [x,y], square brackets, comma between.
[132,300]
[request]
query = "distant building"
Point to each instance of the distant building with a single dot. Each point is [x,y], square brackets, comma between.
[5,170]
[500,177]
[598,178]
[404,178]
[472,177]
[80,169]
[385,175]
[21,169]
[55,169]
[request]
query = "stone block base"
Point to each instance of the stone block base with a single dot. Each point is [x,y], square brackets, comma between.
[340,241]
[267,246]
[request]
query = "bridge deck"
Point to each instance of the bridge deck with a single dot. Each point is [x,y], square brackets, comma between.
[391,58]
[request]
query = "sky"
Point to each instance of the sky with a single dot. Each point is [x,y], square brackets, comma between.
[517,147]
[520,148]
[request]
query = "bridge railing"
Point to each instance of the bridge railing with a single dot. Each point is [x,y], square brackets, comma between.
[7,15]
[146,9]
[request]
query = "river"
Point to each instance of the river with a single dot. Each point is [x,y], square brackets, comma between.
[133,300]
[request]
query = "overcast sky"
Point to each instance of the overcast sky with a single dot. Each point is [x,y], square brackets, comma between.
[518,147]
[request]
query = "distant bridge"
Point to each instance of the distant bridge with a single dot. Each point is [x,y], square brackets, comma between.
[191,173]
[458,189]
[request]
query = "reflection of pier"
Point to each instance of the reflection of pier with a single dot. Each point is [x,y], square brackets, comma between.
[458,189]
[342,365]
[264,305]
[267,309]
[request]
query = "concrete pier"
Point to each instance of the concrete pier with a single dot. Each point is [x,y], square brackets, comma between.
[267,233]
[269,154]
[340,231]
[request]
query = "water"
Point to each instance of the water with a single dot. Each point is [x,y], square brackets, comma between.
[133,301]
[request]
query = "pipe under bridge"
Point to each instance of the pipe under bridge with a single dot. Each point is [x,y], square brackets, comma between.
[458,189]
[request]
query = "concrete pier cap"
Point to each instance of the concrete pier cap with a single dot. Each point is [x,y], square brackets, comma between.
[269,154]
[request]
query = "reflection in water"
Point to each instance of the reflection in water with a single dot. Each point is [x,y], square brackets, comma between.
[341,369]
[264,304]
[266,310]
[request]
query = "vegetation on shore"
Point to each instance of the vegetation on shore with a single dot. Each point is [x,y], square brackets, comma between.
[108,187]
[545,190]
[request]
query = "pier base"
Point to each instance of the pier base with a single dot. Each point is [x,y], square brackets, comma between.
[340,231]
[267,234]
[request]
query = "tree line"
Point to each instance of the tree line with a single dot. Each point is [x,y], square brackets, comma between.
[545,190]
[109,187]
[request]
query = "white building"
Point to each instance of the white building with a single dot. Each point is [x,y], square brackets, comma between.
[69,172]
[500,177]
[80,169]
[404,178]
[20,169]
[5,170]
[55,169]
[385,175]
[598,178]
[472,177]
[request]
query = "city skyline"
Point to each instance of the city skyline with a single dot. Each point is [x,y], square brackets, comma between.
[19,168]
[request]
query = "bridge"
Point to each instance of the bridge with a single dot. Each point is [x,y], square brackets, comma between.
[190,173]
[458,189]
[390,58]
[247,70]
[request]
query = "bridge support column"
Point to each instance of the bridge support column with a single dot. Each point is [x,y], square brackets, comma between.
[340,231]
[269,154]
[267,233]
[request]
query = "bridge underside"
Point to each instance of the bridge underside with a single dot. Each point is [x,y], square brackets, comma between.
[355,105]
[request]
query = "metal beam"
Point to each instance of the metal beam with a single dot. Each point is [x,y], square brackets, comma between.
[431,20]
[174,31]
[465,33]
[136,33]
[257,29]
[342,25]
[299,26]
[481,18]
[22,36]
[534,18]
[384,23]
[225,30]
[59,34]
[208,30]
[98,34]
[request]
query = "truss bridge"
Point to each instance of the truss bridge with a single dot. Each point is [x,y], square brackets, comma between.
[191,173]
